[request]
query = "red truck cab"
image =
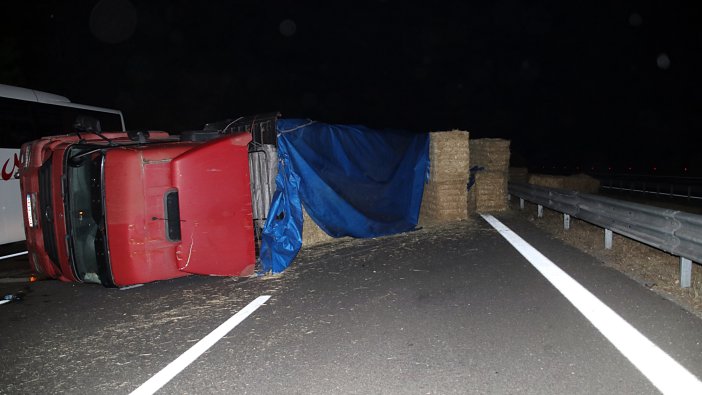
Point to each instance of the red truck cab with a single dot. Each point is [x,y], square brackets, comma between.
[120,209]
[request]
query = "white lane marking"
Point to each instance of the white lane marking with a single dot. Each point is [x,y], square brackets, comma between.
[659,368]
[172,369]
[13,255]
[131,287]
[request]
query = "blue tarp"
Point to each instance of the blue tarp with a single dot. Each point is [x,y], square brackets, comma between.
[352,180]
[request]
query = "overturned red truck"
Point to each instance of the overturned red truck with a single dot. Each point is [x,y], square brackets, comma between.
[128,208]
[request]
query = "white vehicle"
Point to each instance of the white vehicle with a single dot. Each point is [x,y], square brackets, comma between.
[27,115]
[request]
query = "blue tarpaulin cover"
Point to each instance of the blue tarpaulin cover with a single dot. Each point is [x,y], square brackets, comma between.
[352,180]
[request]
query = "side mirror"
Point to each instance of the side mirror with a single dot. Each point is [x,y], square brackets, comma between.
[88,124]
[138,135]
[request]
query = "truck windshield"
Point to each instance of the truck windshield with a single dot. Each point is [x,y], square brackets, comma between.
[85,219]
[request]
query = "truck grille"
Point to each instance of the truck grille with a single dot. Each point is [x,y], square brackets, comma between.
[46,211]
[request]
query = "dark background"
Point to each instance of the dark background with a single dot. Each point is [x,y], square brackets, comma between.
[612,86]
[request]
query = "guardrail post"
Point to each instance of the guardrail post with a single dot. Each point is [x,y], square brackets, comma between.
[566,221]
[539,211]
[685,272]
[521,203]
[608,239]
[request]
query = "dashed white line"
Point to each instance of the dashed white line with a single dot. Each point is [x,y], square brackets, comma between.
[658,367]
[172,369]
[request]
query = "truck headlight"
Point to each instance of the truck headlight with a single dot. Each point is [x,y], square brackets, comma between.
[31,203]
[25,155]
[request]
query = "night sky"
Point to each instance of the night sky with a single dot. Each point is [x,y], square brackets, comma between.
[573,86]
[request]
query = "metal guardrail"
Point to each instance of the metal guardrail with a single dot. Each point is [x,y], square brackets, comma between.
[654,187]
[676,232]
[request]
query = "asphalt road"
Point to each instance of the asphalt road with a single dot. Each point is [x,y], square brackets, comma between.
[444,310]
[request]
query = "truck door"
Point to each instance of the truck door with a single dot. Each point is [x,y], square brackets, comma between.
[212,206]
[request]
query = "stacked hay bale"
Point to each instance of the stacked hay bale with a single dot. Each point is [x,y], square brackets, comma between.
[445,193]
[577,182]
[489,192]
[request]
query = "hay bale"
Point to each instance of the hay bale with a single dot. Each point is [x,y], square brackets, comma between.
[445,193]
[492,154]
[547,181]
[582,183]
[577,182]
[489,193]
[442,202]
[449,154]
[470,200]
[518,174]
[311,233]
